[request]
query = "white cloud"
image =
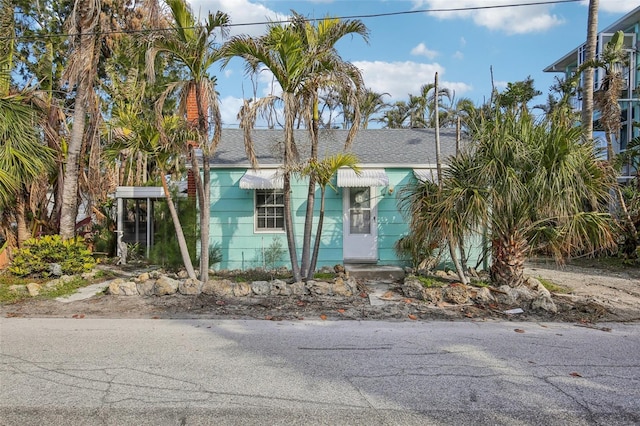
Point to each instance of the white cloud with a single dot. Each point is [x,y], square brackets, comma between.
[512,20]
[463,42]
[241,12]
[422,50]
[615,6]
[229,108]
[401,78]
[458,55]
[500,85]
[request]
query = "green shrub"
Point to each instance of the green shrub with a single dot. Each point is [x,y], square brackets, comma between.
[273,254]
[35,257]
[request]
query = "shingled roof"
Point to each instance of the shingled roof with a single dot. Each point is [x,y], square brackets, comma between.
[380,147]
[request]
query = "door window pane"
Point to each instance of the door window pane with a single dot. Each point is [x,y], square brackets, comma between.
[359,211]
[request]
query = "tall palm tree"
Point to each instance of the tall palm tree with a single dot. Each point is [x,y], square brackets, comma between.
[531,184]
[7,48]
[302,59]
[587,88]
[371,104]
[23,158]
[319,43]
[613,59]
[83,25]
[395,116]
[194,46]
[423,107]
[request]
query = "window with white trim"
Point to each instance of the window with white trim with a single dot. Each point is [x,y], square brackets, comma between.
[269,210]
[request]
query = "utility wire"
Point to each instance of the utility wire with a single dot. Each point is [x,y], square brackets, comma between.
[284,21]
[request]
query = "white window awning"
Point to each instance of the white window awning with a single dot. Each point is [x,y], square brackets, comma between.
[424,175]
[367,177]
[261,179]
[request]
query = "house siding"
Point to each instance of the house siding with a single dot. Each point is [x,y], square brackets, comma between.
[232,221]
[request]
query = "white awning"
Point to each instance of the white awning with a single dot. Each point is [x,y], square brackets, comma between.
[367,177]
[424,175]
[139,192]
[261,179]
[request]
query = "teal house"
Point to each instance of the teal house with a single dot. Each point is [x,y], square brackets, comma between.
[362,219]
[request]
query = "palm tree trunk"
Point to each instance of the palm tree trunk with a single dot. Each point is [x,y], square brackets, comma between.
[289,159]
[451,240]
[587,88]
[182,242]
[205,185]
[205,220]
[316,245]
[306,267]
[69,210]
[21,218]
[7,32]
[288,225]
[508,260]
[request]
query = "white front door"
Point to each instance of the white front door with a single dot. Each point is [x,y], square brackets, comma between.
[360,241]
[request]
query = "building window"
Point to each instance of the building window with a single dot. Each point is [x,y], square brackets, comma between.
[269,210]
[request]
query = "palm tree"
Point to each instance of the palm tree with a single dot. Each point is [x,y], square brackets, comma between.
[587,92]
[426,107]
[532,184]
[612,59]
[138,134]
[302,59]
[23,158]
[559,100]
[371,104]
[322,172]
[319,41]
[83,24]
[193,46]
[395,116]
[7,48]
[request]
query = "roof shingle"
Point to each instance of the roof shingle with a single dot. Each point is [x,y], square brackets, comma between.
[389,147]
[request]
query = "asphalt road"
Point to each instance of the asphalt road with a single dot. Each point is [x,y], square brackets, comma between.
[209,372]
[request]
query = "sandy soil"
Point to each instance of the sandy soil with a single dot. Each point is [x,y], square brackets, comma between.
[596,294]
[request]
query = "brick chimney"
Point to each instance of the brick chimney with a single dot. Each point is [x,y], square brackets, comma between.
[192,118]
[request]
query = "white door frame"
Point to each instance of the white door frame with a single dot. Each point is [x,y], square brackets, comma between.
[359,243]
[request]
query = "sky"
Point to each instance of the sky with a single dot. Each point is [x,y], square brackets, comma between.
[405,51]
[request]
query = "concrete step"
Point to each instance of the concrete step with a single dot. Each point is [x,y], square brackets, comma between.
[374,272]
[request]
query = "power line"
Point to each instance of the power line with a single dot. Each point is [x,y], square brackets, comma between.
[284,21]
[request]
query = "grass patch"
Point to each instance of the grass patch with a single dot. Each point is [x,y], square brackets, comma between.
[253,275]
[325,276]
[432,282]
[553,287]
[8,279]
[8,296]
[65,289]
[480,283]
